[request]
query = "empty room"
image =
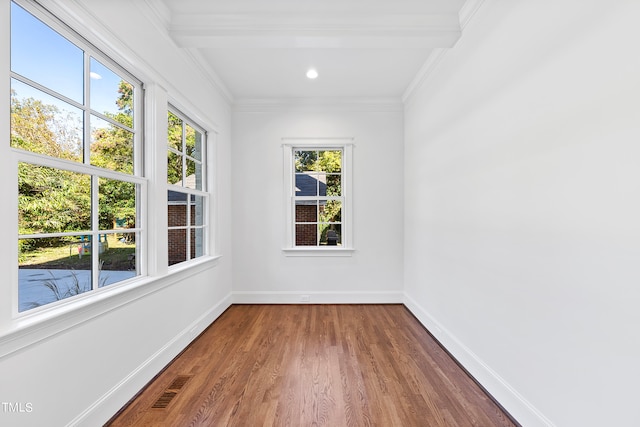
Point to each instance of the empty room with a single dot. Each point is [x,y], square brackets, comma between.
[337,213]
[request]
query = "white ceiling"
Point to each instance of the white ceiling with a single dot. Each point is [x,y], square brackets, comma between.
[261,49]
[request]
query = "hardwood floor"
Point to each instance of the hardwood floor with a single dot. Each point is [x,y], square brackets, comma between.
[313,365]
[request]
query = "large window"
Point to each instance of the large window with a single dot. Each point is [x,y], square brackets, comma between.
[75,133]
[187,197]
[318,195]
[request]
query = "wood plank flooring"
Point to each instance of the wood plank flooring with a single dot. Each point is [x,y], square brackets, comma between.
[313,365]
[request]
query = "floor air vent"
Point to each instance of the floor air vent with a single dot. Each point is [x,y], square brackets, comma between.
[179,382]
[171,392]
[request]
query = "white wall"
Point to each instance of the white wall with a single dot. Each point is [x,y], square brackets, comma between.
[81,366]
[522,200]
[261,271]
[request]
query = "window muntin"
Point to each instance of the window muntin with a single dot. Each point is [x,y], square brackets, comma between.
[187,198]
[79,169]
[317,197]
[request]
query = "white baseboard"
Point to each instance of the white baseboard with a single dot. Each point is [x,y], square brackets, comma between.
[523,411]
[112,401]
[302,297]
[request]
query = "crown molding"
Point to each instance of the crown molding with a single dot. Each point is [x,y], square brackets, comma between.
[161,14]
[423,74]
[203,66]
[467,12]
[266,105]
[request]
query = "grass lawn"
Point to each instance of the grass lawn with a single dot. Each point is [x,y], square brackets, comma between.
[116,257]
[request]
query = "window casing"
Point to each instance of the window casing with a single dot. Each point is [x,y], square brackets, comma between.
[76,121]
[317,192]
[187,196]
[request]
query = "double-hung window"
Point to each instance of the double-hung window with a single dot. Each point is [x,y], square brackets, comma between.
[76,139]
[317,188]
[187,197]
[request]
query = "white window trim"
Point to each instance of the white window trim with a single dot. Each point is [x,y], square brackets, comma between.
[288,147]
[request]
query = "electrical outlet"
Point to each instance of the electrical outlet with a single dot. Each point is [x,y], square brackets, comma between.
[305,298]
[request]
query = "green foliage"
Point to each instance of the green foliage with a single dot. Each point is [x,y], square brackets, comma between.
[52,200]
[329,161]
[306,161]
[174,166]
[125,101]
[117,201]
[112,146]
[44,129]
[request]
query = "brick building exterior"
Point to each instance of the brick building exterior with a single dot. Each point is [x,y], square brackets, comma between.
[177,213]
[306,234]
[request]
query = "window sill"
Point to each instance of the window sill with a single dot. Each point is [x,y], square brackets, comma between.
[31,328]
[318,252]
[195,265]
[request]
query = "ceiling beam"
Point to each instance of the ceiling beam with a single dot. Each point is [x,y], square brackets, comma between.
[315,31]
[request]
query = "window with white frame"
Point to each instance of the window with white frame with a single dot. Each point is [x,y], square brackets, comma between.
[318,188]
[187,197]
[76,139]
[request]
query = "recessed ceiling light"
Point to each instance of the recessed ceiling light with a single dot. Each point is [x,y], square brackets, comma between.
[312,74]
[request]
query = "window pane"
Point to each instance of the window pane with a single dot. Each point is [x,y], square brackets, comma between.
[118,255]
[306,160]
[52,269]
[111,95]
[117,206]
[330,211]
[330,234]
[334,185]
[308,184]
[177,209]
[174,168]
[330,161]
[197,151]
[197,242]
[43,124]
[175,132]
[44,56]
[111,146]
[198,176]
[190,175]
[197,210]
[193,177]
[306,211]
[177,246]
[193,143]
[52,200]
[306,234]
